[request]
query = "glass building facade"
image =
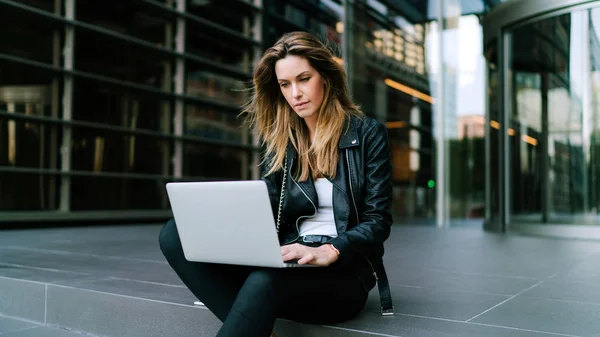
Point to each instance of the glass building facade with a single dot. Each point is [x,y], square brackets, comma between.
[103,102]
[544,117]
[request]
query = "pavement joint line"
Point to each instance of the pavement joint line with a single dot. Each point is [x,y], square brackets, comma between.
[89,277]
[21,329]
[45,304]
[63,252]
[562,301]
[22,280]
[453,291]
[42,268]
[21,319]
[128,296]
[147,282]
[94,291]
[450,271]
[488,325]
[360,331]
[512,297]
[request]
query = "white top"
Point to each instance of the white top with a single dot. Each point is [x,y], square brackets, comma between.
[323,223]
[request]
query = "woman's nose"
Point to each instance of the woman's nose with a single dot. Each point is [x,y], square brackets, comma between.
[296,92]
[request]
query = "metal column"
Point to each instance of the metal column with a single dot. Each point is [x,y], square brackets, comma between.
[67,108]
[179,90]
[439,125]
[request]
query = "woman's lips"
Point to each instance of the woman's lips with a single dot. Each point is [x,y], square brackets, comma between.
[300,105]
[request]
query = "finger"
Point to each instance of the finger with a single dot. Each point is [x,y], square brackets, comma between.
[289,247]
[306,258]
[289,256]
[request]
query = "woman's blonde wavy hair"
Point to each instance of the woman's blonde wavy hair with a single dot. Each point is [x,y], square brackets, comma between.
[272,117]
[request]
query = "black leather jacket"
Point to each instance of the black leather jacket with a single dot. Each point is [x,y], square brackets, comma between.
[362,198]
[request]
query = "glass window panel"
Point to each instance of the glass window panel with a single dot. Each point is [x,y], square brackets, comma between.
[102,103]
[104,151]
[494,98]
[203,83]
[28,144]
[215,162]
[205,43]
[122,61]
[464,121]
[220,13]
[323,18]
[131,18]
[211,123]
[593,118]
[33,101]
[551,133]
[46,5]
[20,191]
[25,36]
[21,83]
[107,193]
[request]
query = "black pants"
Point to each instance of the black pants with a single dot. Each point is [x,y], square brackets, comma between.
[249,299]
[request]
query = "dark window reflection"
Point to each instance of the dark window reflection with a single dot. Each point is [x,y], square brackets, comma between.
[20,191]
[22,80]
[211,123]
[214,161]
[101,103]
[125,17]
[28,144]
[122,61]
[205,43]
[201,82]
[494,98]
[218,12]
[321,18]
[107,193]
[46,5]
[105,151]
[26,36]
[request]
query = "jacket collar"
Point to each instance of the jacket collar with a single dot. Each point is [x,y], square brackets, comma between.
[350,136]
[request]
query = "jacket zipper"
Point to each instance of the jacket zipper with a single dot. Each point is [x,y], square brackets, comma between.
[351,189]
[356,209]
[307,197]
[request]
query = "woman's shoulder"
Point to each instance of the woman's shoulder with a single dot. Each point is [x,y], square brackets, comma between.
[365,123]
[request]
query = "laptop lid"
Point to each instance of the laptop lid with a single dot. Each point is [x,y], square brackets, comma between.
[227,222]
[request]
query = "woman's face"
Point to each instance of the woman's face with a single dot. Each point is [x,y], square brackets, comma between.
[301,85]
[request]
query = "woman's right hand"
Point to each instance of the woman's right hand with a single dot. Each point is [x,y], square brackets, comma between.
[318,256]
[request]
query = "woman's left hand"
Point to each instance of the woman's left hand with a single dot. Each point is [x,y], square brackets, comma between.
[319,256]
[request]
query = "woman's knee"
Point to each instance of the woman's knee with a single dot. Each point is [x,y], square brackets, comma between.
[264,283]
[261,278]
[168,239]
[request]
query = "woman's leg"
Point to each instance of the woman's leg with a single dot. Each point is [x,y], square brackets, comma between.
[309,295]
[215,285]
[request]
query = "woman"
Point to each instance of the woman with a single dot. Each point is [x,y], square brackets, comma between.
[328,173]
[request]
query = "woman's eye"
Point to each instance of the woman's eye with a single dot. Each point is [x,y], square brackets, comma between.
[284,85]
[305,79]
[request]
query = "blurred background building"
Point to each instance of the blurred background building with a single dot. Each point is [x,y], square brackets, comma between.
[491,108]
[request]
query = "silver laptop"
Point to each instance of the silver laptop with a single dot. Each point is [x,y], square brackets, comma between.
[228,222]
